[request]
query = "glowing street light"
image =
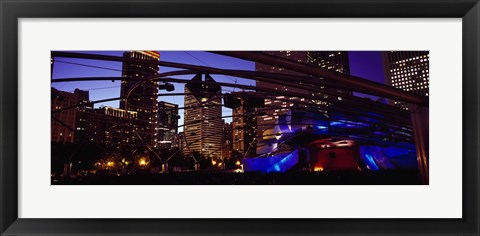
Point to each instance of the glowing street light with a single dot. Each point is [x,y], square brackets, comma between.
[142,162]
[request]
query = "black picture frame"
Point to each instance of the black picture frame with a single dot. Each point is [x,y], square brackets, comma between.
[11,11]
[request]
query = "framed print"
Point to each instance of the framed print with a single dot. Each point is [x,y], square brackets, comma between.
[225,117]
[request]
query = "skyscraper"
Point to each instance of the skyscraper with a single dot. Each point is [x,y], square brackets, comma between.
[244,126]
[167,123]
[227,140]
[407,70]
[330,60]
[203,125]
[337,61]
[141,95]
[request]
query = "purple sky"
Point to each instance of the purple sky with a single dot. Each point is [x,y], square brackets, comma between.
[368,65]
[365,64]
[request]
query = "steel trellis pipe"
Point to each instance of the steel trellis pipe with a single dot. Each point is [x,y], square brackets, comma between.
[353,81]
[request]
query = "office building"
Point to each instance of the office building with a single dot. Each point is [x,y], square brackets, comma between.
[330,60]
[337,61]
[88,123]
[105,125]
[167,124]
[227,140]
[244,126]
[117,126]
[141,97]
[203,124]
[89,126]
[63,122]
[407,70]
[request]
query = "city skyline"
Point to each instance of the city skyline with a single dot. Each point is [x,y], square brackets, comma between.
[365,64]
[295,113]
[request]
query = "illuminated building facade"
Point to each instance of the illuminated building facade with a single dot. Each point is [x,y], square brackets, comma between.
[88,123]
[141,96]
[227,140]
[244,126]
[167,124]
[407,70]
[89,126]
[106,125]
[117,125]
[60,133]
[203,125]
[331,60]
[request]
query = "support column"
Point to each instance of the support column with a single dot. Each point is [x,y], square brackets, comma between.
[420,122]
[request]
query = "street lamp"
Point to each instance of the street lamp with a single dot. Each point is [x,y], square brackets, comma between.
[142,162]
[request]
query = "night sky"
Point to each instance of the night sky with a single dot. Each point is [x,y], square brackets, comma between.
[365,64]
